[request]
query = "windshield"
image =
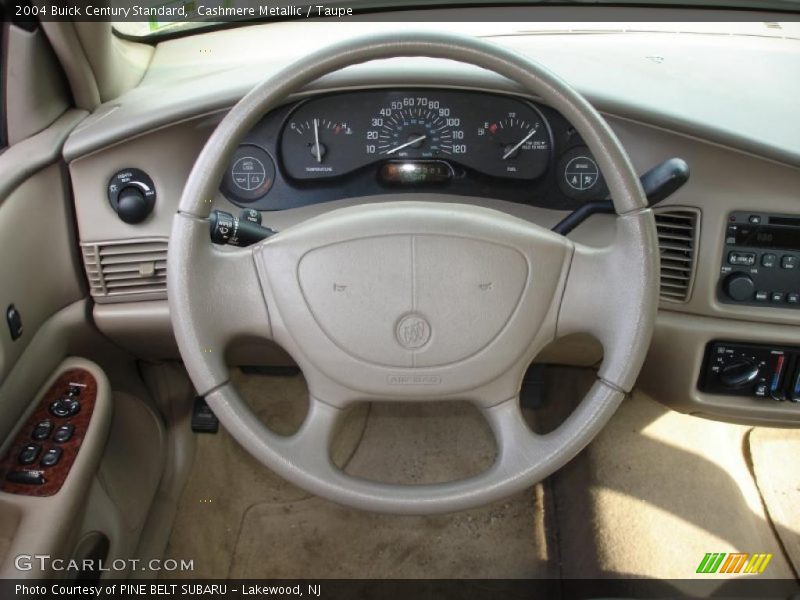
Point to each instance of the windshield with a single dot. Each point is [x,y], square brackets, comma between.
[160,18]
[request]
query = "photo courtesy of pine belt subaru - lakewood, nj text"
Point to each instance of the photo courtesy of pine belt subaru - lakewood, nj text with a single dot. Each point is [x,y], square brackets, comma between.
[382,299]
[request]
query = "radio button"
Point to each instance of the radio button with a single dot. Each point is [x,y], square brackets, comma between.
[742,258]
[793,298]
[769,260]
[789,262]
[755,220]
[762,296]
[777,296]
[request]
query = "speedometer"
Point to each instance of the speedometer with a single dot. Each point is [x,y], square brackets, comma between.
[415,127]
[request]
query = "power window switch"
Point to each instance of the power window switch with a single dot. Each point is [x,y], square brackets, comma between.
[29,454]
[42,431]
[64,433]
[51,457]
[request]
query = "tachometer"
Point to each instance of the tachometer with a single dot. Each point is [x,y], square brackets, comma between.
[415,127]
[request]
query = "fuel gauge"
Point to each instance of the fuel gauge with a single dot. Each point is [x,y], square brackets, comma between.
[519,144]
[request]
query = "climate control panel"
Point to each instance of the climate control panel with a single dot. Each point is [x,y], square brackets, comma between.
[761,260]
[757,371]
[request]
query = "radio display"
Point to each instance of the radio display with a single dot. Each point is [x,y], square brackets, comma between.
[784,238]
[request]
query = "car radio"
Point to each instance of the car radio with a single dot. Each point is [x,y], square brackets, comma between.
[761,260]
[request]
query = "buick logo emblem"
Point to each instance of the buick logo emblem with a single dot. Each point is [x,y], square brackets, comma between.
[413,332]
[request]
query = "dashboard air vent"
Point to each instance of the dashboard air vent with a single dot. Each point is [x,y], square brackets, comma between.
[678,235]
[127,271]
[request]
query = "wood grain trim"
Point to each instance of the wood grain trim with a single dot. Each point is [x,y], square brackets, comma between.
[56,475]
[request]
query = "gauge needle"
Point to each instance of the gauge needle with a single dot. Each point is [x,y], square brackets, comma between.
[316,140]
[407,144]
[522,141]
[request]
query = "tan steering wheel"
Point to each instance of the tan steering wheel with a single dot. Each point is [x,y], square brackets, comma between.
[414,301]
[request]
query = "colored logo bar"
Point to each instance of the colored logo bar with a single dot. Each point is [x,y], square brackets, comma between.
[734,562]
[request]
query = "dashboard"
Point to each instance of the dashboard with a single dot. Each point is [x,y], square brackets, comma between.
[411,129]
[373,142]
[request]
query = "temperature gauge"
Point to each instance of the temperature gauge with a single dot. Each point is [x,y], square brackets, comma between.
[313,143]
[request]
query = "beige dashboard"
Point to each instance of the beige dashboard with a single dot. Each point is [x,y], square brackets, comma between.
[724,178]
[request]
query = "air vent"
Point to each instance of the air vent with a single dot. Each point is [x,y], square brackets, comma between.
[127,271]
[678,231]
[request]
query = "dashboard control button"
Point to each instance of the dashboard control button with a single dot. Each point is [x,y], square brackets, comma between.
[25,477]
[51,457]
[777,296]
[738,373]
[250,175]
[64,433]
[739,286]
[754,220]
[789,262]
[762,296]
[581,173]
[252,215]
[29,454]
[132,195]
[42,430]
[769,260]
[74,391]
[793,298]
[578,175]
[132,206]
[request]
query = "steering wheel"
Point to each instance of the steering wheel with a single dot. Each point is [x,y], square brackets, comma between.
[414,301]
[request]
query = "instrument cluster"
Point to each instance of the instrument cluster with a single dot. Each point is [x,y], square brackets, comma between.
[369,142]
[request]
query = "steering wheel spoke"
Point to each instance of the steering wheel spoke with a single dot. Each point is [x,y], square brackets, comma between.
[609,295]
[218,288]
